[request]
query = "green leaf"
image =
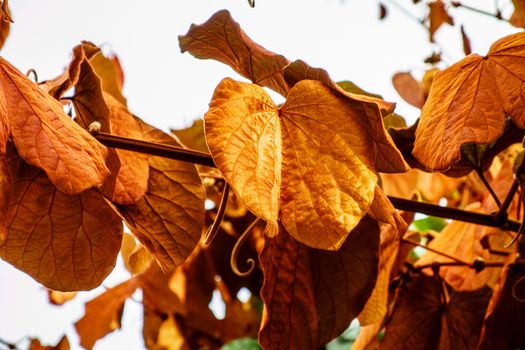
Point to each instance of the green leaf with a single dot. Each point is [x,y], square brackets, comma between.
[242,344]
[429,223]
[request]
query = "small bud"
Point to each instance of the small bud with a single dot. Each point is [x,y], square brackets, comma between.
[94,128]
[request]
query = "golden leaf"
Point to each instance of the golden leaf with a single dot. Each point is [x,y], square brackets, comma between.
[311,160]
[392,228]
[310,296]
[103,313]
[469,102]
[222,39]
[60,298]
[168,219]
[46,137]
[136,258]
[65,242]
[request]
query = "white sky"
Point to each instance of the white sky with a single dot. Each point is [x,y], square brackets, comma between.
[169,89]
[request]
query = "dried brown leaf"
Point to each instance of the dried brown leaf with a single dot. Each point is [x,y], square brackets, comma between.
[168,219]
[311,295]
[425,318]
[506,313]
[222,39]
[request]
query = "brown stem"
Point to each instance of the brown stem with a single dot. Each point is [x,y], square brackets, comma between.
[214,228]
[196,157]
[502,212]
[480,11]
[416,243]
[483,179]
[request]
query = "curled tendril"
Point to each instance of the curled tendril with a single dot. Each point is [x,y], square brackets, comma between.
[237,248]
[33,72]
[214,228]
[514,293]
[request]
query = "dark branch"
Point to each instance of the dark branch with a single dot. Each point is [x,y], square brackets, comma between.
[196,157]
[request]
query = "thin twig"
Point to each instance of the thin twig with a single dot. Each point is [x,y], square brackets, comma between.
[483,179]
[502,212]
[480,11]
[416,243]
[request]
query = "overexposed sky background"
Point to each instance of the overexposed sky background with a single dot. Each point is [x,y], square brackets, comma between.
[170,89]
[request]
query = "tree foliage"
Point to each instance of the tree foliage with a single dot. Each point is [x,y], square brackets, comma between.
[310,227]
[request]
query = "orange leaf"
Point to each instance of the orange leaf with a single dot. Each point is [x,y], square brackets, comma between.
[63,344]
[46,137]
[466,42]
[389,159]
[469,102]
[168,219]
[312,160]
[300,70]
[311,295]
[60,298]
[108,70]
[4,32]
[5,13]
[65,242]
[102,315]
[422,319]
[392,227]
[409,89]
[129,170]
[438,16]
[222,39]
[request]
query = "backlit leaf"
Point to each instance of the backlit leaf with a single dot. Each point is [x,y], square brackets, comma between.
[312,160]
[60,298]
[312,295]
[168,219]
[254,144]
[46,137]
[392,227]
[103,313]
[222,39]
[65,242]
[424,319]
[469,102]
